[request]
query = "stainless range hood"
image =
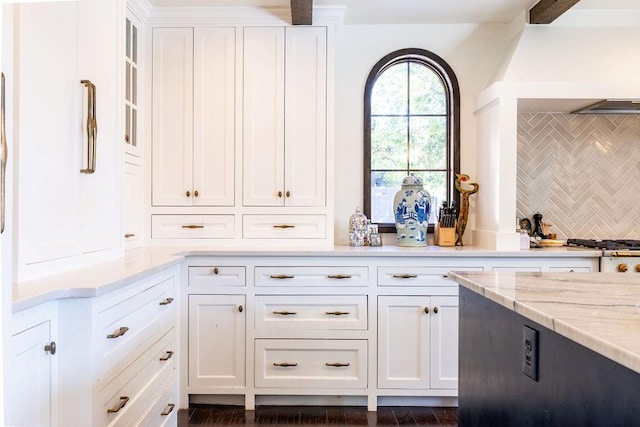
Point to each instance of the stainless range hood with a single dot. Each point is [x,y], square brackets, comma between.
[612,106]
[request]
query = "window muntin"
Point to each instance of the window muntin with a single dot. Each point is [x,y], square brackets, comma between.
[411,127]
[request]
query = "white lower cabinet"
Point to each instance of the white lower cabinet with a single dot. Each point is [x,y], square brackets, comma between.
[31,369]
[216,340]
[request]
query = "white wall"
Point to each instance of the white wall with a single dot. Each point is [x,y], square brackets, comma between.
[473,51]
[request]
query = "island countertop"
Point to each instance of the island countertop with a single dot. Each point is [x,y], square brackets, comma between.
[600,311]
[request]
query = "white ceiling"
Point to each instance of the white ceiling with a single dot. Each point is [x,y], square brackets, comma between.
[411,11]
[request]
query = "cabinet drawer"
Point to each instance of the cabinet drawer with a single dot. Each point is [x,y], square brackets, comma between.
[217,276]
[164,411]
[192,226]
[570,269]
[330,364]
[419,276]
[533,269]
[129,395]
[284,226]
[311,312]
[312,276]
[127,323]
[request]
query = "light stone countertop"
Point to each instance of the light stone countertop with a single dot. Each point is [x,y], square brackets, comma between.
[600,311]
[136,264]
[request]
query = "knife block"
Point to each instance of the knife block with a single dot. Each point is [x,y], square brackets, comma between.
[445,236]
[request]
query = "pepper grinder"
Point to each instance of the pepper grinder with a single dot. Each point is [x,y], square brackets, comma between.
[537,227]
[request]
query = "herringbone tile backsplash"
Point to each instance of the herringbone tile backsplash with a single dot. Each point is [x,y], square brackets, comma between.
[582,172]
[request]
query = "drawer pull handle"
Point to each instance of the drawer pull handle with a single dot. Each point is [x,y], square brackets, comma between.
[337,313]
[337,365]
[285,364]
[169,409]
[285,313]
[284,226]
[118,332]
[339,276]
[426,310]
[405,276]
[167,357]
[50,348]
[435,310]
[216,271]
[192,226]
[126,236]
[446,276]
[240,308]
[121,404]
[166,301]
[281,276]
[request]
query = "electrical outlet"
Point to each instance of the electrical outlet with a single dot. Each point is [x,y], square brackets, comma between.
[530,352]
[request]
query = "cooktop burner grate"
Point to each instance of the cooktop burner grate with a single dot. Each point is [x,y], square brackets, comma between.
[606,244]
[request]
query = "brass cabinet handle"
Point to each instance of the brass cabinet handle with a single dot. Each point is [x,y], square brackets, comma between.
[120,405]
[50,348]
[126,137]
[339,276]
[285,313]
[281,276]
[126,236]
[195,193]
[166,301]
[215,270]
[337,313]
[188,193]
[284,226]
[118,332]
[167,357]
[240,308]
[426,310]
[279,193]
[92,127]
[169,409]
[337,364]
[435,310]
[288,194]
[285,364]
[192,226]
[446,276]
[405,276]
[3,157]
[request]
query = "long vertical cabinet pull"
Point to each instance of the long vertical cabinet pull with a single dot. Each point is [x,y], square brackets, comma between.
[3,158]
[92,127]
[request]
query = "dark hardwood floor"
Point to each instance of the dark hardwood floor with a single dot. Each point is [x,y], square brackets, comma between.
[209,416]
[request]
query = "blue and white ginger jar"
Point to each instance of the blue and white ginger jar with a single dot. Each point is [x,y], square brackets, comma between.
[412,206]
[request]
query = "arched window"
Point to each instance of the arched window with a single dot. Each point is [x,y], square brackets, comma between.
[411,126]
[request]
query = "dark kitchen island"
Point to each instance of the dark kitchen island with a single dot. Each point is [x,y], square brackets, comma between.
[549,349]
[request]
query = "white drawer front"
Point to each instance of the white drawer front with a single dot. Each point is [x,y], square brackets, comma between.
[419,276]
[533,269]
[329,364]
[192,226]
[311,312]
[128,323]
[570,269]
[130,394]
[284,226]
[217,276]
[312,276]
[164,411]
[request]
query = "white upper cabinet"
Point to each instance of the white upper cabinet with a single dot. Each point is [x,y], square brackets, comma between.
[284,116]
[193,116]
[61,212]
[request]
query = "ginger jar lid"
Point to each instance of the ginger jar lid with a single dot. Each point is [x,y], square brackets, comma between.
[412,180]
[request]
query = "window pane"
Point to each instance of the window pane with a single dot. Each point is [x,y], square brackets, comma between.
[128,45]
[427,91]
[127,124]
[384,186]
[389,143]
[134,127]
[134,85]
[127,86]
[134,43]
[435,185]
[390,94]
[428,139]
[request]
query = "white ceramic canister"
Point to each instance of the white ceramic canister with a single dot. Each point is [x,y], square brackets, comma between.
[412,206]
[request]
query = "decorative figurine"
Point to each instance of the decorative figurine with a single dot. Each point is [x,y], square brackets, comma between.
[464,204]
[412,206]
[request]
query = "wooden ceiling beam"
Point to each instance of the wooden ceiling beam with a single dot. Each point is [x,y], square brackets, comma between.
[546,11]
[301,12]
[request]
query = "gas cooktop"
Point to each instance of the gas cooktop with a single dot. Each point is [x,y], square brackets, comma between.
[629,245]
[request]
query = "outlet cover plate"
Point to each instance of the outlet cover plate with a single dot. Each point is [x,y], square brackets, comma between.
[530,352]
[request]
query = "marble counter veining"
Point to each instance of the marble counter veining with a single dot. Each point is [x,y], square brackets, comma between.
[600,311]
[138,263]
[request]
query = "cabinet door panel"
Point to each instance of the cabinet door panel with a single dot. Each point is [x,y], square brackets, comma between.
[305,115]
[133,195]
[263,117]
[214,116]
[444,342]
[403,342]
[172,128]
[216,340]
